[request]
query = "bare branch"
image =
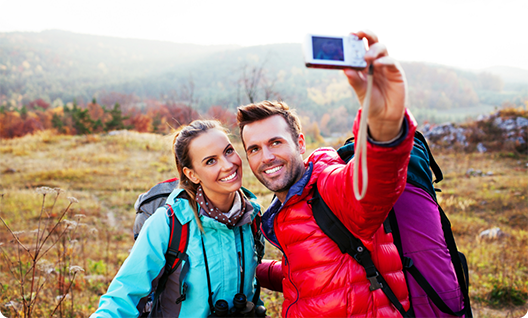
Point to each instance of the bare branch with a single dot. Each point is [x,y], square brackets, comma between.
[15,237]
[64,296]
[57,224]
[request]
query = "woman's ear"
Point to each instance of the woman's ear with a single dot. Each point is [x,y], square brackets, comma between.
[189,173]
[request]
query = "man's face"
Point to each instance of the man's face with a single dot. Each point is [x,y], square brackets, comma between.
[274,157]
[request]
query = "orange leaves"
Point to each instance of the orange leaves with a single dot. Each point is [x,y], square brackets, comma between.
[156,117]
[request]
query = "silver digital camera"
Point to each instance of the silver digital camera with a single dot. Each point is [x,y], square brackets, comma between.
[334,52]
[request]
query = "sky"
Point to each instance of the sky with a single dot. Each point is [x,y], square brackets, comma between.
[467,34]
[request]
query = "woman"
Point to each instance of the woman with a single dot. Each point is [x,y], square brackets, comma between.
[221,249]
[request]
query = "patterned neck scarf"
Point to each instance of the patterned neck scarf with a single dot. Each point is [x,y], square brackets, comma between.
[229,218]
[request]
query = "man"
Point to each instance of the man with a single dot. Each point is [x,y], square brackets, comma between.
[319,280]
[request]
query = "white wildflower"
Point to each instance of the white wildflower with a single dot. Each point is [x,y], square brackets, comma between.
[45,266]
[62,296]
[58,190]
[45,190]
[17,233]
[69,223]
[73,200]
[76,269]
[93,231]
[79,216]
[13,304]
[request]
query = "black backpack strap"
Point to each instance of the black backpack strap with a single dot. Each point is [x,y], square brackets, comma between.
[259,248]
[257,237]
[351,245]
[432,162]
[176,254]
[459,262]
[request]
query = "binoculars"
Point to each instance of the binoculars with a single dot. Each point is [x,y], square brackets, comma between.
[242,308]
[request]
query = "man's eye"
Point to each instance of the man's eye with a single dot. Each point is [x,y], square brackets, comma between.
[253,150]
[276,143]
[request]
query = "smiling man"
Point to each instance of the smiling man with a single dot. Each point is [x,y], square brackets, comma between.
[317,279]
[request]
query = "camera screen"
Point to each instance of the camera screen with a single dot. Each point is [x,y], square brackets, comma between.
[327,48]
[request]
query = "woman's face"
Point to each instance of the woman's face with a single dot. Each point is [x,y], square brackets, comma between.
[215,165]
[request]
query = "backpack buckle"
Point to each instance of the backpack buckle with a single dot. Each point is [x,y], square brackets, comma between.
[407,263]
[183,295]
[374,283]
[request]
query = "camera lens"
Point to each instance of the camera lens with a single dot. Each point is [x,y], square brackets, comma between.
[221,308]
[239,301]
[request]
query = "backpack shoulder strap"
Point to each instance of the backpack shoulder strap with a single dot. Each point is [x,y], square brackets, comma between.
[176,254]
[459,261]
[257,237]
[353,246]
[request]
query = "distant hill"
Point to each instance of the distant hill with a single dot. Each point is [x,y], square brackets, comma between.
[509,74]
[62,65]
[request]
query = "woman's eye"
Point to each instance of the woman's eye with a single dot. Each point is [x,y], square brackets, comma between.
[230,151]
[210,161]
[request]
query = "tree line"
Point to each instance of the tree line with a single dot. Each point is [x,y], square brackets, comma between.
[75,119]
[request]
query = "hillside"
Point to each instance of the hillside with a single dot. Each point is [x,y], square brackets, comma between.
[510,75]
[62,66]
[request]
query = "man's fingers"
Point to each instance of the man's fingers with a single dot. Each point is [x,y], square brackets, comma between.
[369,35]
[376,51]
[356,79]
[388,63]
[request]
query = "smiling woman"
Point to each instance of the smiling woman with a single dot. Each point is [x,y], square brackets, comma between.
[219,268]
[216,167]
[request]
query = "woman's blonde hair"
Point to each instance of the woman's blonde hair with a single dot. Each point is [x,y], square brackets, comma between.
[181,142]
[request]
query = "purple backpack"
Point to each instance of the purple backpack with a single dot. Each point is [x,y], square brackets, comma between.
[436,272]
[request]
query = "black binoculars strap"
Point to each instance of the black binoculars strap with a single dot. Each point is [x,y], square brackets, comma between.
[210,298]
[242,268]
[242,261]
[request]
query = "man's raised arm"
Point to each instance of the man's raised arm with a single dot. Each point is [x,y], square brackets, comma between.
[390,138]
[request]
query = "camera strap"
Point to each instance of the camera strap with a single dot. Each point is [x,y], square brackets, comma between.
[361,143]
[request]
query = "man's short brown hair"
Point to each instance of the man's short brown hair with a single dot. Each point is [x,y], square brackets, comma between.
[265,109]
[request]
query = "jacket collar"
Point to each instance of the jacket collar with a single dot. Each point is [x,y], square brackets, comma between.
[276,206]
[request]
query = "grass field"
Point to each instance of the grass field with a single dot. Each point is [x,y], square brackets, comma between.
[105,174]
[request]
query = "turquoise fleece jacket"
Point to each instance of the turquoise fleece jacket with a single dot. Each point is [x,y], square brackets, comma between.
[147,259]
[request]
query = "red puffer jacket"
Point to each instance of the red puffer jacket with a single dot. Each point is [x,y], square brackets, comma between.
[319,280]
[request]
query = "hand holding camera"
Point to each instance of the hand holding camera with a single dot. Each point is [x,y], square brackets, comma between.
[388,101]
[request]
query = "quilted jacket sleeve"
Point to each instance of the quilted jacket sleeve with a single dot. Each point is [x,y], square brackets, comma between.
[387,174]
[143,265]
[269,274]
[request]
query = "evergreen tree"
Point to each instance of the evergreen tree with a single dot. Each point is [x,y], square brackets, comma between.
[82,122]
[116,122]
[56,122]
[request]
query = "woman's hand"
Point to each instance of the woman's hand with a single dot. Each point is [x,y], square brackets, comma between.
[387,105]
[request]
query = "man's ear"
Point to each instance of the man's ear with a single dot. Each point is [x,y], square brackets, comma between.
[189,173]
[302,143]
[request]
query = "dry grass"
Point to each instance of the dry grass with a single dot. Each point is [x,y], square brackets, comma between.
[107,173]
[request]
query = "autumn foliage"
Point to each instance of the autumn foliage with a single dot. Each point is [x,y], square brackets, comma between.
[74,119]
